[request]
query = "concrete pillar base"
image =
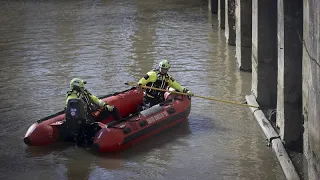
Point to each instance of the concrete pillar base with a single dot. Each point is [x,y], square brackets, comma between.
[221,13]
[289,104]
[244,59]
[213,6]
[264,52]
[244,34]
[230,32]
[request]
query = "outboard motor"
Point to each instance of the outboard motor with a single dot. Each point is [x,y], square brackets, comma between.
[76,117]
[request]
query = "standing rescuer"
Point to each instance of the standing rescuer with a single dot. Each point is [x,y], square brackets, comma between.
[97,108]
[159,78]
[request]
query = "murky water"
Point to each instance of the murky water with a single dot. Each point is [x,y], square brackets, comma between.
[44,44]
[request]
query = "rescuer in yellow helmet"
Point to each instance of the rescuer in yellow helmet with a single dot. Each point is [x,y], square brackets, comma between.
[97,108]
[159,78]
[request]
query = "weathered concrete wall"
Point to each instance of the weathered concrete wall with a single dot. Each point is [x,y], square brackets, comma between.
[243,25]
[213,6]
[289,101]
[264,52]
[221,13]
[312,57]
[306,74]
[230,32]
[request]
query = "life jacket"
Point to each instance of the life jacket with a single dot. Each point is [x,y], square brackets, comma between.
[162,82]
[85,96]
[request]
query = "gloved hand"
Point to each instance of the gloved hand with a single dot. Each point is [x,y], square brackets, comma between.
[139,87]
[110,108]
[190,93]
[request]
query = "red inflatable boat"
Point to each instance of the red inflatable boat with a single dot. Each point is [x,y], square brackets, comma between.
[109,135]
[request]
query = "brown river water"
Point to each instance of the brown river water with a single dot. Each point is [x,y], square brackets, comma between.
[44,44]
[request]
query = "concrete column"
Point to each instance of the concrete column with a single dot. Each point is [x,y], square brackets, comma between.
[289,101]
[213,6]
[243,34]
[264,52]
[312,61]
[306,71]
[221,13]
[230,22]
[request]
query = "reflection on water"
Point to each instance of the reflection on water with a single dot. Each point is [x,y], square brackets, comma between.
[44,44]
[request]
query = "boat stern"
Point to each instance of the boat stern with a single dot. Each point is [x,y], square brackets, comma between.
[40,134]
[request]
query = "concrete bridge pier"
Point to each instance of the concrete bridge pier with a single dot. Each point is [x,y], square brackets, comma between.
[264,52]
[243,23]
[311,77]
[289,101]
[285,68]
[221,13]
[230,32]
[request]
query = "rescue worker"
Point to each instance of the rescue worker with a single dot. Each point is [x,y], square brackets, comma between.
[97,108]
[159,78]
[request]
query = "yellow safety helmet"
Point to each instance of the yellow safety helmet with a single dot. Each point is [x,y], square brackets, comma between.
[164,64]
[77,84]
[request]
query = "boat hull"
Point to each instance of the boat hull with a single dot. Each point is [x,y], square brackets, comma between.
[114,136]
[144,125]
[50,129]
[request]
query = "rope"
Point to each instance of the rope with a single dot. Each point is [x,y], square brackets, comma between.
[203,97]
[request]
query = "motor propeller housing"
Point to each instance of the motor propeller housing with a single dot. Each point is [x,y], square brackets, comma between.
[76,116]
